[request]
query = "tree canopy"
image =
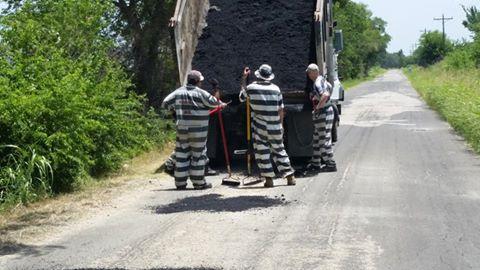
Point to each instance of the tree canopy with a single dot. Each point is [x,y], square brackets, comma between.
[365,38]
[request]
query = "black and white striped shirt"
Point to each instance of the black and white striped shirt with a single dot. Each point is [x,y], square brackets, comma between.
[266,100]
[191,105]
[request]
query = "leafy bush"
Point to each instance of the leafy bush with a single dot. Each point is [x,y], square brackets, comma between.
[433,48]
[63,93]
[461,58]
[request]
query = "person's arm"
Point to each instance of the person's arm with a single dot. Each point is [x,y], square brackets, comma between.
[281,108]
[211,101]
[243,91]
[323,100]
[169,102]
[322,94]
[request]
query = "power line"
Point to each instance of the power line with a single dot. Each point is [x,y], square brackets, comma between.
[443,19]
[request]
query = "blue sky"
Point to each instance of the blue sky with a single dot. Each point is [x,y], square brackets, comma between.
[406,19]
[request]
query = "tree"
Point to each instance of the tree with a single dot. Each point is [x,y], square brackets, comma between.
[365,38]
[472,21]
[144,44]
[394,60]
[433,48]
[148,54]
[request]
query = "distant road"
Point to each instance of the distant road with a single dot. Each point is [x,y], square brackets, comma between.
[406,196]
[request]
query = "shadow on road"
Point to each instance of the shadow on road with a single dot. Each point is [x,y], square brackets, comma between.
[216,203]
[201,268]
[10,248]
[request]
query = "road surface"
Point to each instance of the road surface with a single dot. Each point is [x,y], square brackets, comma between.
[406,196]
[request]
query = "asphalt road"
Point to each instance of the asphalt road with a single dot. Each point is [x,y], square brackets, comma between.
[406,196]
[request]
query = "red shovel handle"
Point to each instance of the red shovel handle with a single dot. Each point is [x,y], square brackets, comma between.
[224,138]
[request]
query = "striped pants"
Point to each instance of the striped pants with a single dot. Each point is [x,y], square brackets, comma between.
[190,158]
[322,137]
[268,142]
[170,162]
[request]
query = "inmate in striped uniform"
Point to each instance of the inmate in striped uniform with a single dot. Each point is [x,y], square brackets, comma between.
[191,105]
[323,124]
[266,101]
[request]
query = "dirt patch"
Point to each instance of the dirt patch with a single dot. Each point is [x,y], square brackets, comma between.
[27,224]
[249,33]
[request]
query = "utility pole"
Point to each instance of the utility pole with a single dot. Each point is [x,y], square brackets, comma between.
[443,19]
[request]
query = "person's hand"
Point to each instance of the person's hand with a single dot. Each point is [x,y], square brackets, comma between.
[172,22]
[317,15]
[223,105]
[246,72]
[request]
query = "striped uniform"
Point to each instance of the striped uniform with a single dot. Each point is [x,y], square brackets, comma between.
[191,105]
[266,101]
[323,124]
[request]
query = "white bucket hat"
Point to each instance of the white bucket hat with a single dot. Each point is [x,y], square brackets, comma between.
[265,72]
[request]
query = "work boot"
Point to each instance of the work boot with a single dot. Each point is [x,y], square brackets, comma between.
[268,182]
[311,167]
[329,167]
[291,180]
[204,186]
[182,187]
[170,171]
[210,172]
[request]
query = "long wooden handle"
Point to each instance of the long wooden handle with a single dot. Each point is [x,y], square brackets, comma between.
[249,138]
[224,141]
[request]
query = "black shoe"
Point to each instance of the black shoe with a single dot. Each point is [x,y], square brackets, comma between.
[204,186]
[209,171]
[170,171]
[182,188]
[312,168]
[329,168]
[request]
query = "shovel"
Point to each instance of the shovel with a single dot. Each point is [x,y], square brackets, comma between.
[229,180]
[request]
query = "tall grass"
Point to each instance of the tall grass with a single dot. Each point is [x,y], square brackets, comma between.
[455,94]
[25,176]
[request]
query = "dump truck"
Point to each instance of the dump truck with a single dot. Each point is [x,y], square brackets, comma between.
[221,37]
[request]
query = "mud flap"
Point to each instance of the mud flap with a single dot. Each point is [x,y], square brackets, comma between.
[299,134]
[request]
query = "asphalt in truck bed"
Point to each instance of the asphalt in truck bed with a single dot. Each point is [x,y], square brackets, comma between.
[243,33]
[406,196]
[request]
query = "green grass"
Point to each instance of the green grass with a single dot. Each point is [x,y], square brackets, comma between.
[455,95]
[374,72]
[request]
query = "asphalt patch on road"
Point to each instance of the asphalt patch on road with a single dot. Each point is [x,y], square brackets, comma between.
[10,248]
[217,203]
[243,33]
[147,269]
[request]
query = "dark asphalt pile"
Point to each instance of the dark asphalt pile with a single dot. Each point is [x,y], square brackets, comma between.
[249,33]
[216,203]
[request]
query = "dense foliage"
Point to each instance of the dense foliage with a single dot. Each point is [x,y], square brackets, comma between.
[147,46]
[365,38]
[63,95]
[394,60]
[433,48]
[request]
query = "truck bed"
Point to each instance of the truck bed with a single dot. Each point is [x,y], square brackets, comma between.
[249,33]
